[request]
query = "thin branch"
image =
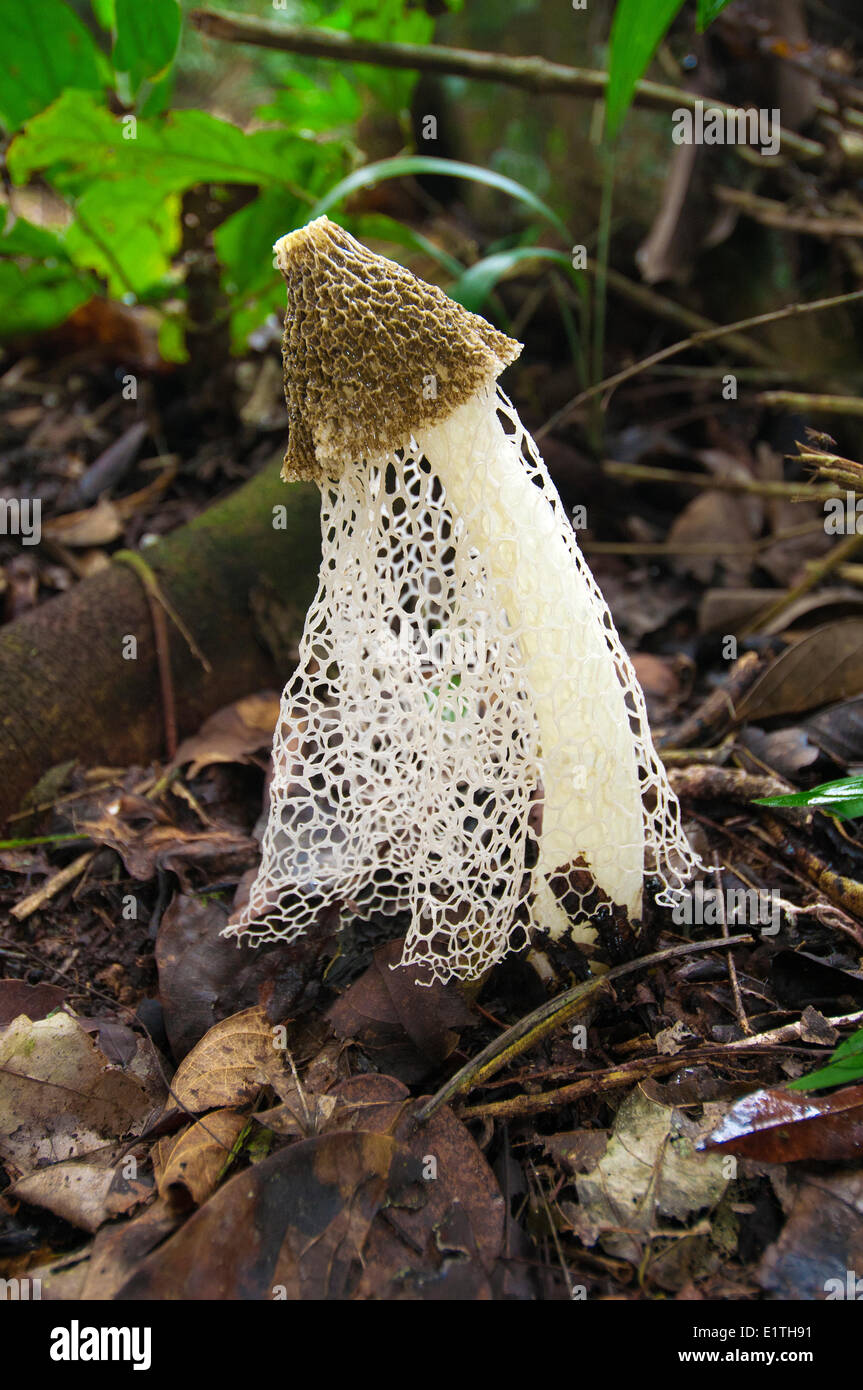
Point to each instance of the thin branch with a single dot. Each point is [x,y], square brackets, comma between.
[771,213]
[530,1030]
[815,571]
[800,401]
[697,340]
[757,487]
[663,307]
[532,74]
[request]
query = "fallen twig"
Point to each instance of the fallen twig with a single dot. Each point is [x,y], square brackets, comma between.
[531,1030]
[51,887]
[697,340]
[533,74]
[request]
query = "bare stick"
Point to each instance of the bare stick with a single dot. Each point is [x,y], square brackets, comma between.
[533,74]
[697,340]
[798,400]
[537,1025]
[644,473]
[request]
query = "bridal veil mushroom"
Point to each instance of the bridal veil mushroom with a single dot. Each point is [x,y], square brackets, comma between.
[464,736]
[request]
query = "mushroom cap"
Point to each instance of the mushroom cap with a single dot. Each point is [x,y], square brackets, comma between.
[371,352]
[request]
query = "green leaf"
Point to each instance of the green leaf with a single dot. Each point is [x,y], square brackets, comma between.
[244,246]
[331,110]
[398,167]
[26,239]
[77,135]
[707,12]
[125,235]
[843,798]
[845,1066]
[638,28]
[46,49]
[172,338]
[36,297]
[374,226]
[395,22]
[105,12]
[473,288]
[146,38]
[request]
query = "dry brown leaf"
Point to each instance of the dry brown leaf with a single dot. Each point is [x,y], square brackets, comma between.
[84,1194]
[232,734]
[36,1001]
[229,1066]
[59,1097]
[824,666]
[97,525]
[192,1163]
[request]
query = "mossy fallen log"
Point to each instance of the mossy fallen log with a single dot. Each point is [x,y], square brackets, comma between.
[73,684]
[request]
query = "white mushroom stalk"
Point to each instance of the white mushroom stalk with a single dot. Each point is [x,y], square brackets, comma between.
[464,736]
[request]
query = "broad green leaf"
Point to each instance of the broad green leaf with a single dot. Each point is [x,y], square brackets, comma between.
[331,110]
[371,174]
[45,49]
[707,12]
[843,798]
[36,297]
[374,226]
[473,288]
[172,338]
[395,22]
[26,239]
[77,135]
[638,28]
[125,235]
[845,1066]
[105,12]
[147,38]
[244,246]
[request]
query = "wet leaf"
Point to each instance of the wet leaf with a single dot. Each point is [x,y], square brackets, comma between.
[843,798]
[408,1028]
[780,1127]
[819,1253]
[293,1227]
[203,977]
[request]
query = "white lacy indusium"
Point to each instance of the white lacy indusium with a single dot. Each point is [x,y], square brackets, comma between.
[464,733]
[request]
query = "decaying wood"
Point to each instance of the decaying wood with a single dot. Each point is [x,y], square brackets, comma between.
[68,691]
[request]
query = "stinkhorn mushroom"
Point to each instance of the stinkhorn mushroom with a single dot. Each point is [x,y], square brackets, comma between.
[464,735]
